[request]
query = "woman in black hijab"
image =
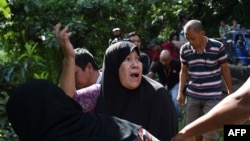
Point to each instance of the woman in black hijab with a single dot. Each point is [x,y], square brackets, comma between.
[124,91]
[38,110]
[129,95]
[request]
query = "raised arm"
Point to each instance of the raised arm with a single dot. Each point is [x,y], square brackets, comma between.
[234,109]
[67,79]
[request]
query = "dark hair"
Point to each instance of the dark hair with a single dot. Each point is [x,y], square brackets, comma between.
[83,57]
[172,34]
[134,33]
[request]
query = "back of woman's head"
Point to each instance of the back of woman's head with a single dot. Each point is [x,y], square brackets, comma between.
[37,107]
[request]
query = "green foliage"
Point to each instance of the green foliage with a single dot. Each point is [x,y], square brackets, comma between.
[7,134]
[5,8]
[211,12]
[29,49]
[12,74]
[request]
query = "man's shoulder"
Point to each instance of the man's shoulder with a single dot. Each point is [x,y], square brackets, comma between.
[175,63]
[185,47]
[157,64]
[214,43]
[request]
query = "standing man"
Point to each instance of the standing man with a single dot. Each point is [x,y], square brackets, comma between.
[203,62]
[168,70]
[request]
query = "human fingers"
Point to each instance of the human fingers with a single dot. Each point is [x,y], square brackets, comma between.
[59,34]
[57,30]
[180,102]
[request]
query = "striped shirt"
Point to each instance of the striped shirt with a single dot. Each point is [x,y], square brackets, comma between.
[204,72]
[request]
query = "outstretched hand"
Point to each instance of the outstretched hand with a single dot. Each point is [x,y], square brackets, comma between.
[62,37]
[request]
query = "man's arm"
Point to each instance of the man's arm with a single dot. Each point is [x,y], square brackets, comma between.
[153,70]
[234,109]
[67,79]
[182,83]
[226,73]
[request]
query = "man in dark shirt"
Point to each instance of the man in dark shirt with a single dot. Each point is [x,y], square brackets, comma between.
[167,70]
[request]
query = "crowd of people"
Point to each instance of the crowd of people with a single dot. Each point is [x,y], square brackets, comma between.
[224,27]
[139,94]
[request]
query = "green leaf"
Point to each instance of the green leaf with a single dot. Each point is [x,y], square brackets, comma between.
[5,9]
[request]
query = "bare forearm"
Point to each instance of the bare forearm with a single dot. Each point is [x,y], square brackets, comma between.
[234,109]
[183,79]
[226,73]
[227,112]
[67,79]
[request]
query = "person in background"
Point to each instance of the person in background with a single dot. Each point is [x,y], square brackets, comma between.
[156,47]
[240,40]
[236,25]
[148,50]
[124,91]
[233,109]
[203,62]
[170,46]
[38,110]
[135,37]
[175,40]
[116,36]
[167,69]
[184,18]
[223,29]
[86,69]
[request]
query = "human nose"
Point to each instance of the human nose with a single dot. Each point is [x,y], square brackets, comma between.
[135,63]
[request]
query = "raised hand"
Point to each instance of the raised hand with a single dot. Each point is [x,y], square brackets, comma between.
[67,79]
[63,38]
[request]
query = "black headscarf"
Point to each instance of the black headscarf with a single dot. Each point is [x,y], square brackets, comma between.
[40,111]
[149,105]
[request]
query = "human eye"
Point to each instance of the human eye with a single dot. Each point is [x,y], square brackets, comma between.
[127,58]
[138,58]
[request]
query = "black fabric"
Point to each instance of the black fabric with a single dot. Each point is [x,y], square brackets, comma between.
[145,62]
[167,76]
[40,111]
[149,105]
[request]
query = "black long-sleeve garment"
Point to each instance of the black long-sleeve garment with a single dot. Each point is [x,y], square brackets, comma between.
[38,110]
[149,105]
